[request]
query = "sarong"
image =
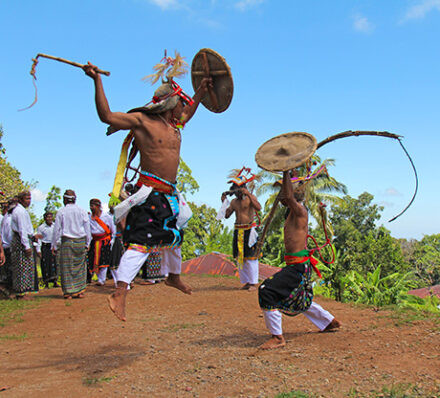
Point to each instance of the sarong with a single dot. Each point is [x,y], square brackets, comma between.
[289,290]
[24,269]
[151,225]
[99,254]
[48,263]
[151,268]
[72,260]
[117,252]
[240,244]
[6,269]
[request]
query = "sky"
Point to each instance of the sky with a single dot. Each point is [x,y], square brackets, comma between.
[318,66]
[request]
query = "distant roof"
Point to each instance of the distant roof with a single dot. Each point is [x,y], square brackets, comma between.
[220,264]
[426,291]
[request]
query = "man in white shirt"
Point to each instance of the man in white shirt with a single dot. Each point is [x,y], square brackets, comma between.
[48,260]
[72,228]
[6,233]
[24,270]
[103,232]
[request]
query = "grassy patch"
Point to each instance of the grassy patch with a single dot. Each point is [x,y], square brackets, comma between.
[400,390]
[19,337]
[12,310]
[293,394]
[92,381]
[180,326]
[408,316]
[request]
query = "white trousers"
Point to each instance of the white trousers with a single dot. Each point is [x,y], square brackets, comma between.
[316,314]
[249,272]
[102,275]
[132,261]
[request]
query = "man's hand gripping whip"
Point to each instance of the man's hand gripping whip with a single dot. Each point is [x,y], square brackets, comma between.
[66,61]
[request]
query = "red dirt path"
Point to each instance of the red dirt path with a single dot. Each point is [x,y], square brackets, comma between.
[205,345]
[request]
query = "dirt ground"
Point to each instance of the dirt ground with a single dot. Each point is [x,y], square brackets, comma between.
[205,345]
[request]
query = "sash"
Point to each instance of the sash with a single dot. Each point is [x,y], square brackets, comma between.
[106,236]
[300,258]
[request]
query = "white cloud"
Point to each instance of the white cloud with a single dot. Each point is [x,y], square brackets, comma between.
[362,24]
[392,192]
[419,11]
[244,5]
[165,4]
[38,196]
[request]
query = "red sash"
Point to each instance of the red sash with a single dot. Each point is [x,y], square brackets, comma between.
[290,260]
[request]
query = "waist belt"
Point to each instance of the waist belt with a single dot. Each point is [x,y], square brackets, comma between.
[292,260]
[105,238]
[157,183]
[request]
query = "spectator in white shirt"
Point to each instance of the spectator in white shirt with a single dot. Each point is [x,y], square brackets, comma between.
[48,260]
[72,228]
[24,270]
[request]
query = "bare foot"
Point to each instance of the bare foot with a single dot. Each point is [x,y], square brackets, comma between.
[67,297]
[116,301]
[273,343]
[78,296]
[334,324]
[146,283]
[245,287]
[99,284]
[252,288]
[174,280]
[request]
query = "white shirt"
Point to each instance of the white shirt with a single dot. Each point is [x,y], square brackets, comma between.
[72,222]
[96,229]
[47,232]
[6,231]
[21,223]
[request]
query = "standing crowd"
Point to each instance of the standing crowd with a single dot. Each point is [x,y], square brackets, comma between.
[72,247]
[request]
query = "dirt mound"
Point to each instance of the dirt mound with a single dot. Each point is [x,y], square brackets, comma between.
[205,345]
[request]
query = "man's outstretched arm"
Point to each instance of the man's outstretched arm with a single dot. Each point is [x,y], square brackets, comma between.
[119,120]
[189,110]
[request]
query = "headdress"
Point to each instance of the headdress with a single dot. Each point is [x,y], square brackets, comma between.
[243,177]
[95,201]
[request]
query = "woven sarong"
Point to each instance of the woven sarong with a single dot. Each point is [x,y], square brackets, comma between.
[72,260]
[289,290]
[48,263]
[24,270]
[240,244]
[99,255]
[117,252]
[151,267]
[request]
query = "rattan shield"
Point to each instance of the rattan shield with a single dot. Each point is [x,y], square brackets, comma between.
[286,151]
[208,63]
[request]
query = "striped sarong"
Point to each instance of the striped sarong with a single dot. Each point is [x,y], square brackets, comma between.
[73,267]
[24,269]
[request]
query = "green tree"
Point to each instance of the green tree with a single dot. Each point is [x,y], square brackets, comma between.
[426,260]
[53,200]
[186,183]
[11,182]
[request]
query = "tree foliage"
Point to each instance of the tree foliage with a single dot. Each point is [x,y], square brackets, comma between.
[186,183]
[53,200]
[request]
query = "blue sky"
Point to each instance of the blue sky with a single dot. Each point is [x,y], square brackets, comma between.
[317,66]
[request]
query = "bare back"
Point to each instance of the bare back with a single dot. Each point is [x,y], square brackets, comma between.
[159,146]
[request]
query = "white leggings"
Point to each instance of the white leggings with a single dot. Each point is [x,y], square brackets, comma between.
[316,314]
[249,272]
[132,261]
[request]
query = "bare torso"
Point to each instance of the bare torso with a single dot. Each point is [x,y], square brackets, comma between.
[159,146]
[244,211]
[295,230]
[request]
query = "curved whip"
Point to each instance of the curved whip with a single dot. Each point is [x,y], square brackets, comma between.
[350,133]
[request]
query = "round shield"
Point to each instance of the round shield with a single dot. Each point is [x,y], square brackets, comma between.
[208,63]
[286,151]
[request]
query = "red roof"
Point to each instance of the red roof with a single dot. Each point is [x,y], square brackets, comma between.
[426,291]
[220,264]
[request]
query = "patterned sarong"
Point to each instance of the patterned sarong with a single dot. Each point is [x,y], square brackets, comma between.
[99,254]
[151,267]
[48,263]
[289,290]
[240,244]
[72,260]
[24,269]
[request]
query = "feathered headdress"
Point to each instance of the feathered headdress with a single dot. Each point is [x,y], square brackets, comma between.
[242,177]
[169,68]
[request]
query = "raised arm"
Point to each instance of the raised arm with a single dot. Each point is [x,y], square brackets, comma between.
[189,110]
[288,197]
[119,120]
